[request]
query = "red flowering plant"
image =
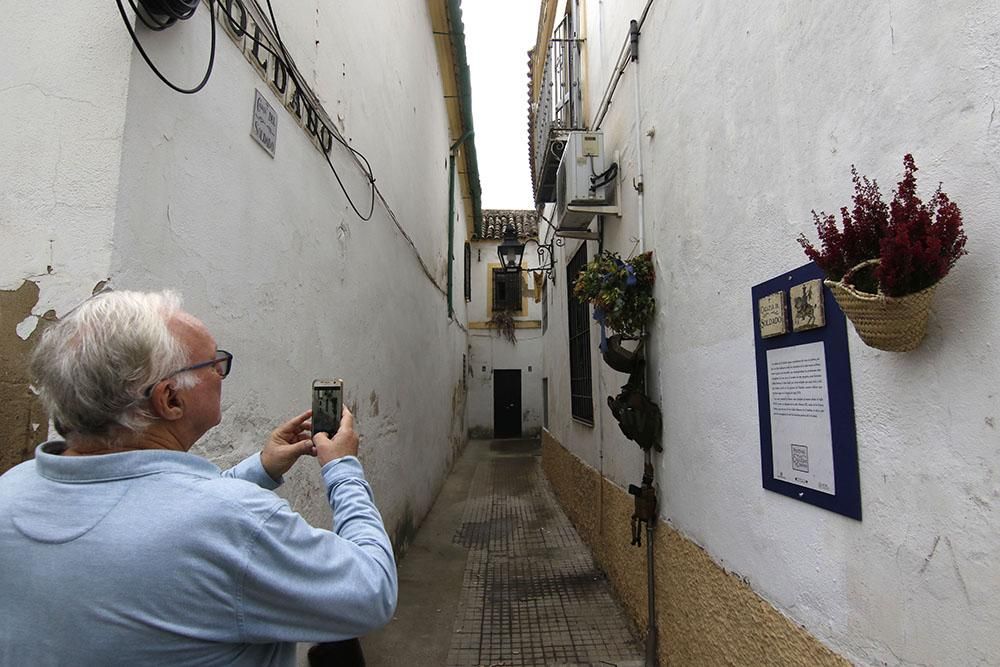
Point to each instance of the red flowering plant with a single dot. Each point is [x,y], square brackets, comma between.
[915,243]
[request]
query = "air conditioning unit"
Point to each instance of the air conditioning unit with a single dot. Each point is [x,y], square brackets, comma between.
[583,187]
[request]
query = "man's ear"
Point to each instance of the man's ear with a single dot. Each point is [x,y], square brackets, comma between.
[165,402]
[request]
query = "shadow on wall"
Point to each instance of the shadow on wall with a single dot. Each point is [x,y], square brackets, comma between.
[403,533]
[23,423]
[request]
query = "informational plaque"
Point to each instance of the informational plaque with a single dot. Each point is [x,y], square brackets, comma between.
[808,443]
[265,123]
[801,441]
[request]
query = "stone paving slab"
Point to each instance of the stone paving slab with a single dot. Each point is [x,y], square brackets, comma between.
[530,593]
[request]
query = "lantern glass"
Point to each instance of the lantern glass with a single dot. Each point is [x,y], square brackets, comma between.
[510,251]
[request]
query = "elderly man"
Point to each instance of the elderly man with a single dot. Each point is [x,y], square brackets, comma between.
[117,546]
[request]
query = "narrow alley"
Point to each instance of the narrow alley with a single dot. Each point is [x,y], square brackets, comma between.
[657,344]
[497,575]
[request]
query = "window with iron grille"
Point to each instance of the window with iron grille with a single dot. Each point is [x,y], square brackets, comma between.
[545,306]
[468,272]
[581,392]
[506,290]
[545,402]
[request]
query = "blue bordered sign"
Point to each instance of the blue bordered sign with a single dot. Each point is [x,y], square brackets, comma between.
[805,401]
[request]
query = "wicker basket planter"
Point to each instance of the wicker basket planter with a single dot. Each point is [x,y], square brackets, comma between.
[894,324]
[914,243]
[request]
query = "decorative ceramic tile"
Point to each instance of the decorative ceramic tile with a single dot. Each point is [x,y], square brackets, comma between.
[807,306]
[771,315]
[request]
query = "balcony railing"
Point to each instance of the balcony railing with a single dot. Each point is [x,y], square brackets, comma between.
[560,107]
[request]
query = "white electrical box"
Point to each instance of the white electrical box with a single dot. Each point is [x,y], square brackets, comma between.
[582,186]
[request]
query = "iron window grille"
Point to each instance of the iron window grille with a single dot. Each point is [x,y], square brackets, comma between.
[581,391]
[560,103]
[506,290]
[468,272]
[545,306]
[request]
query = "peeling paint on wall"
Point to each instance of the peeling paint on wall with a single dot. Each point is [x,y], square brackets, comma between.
[22,420]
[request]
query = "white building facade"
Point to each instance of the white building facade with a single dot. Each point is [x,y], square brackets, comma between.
[113,178]
[736,121]
[505,374]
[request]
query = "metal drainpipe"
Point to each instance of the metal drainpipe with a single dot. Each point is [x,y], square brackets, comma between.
[451,217]
[651,631]
[634,48]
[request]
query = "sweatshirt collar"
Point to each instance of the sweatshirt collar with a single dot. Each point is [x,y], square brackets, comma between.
[121,465]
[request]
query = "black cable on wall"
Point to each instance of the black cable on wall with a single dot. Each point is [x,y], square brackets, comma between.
[159,15]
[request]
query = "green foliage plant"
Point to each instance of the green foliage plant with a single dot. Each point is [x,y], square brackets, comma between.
[621,291]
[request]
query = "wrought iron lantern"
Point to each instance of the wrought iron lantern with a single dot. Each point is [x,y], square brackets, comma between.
[511,253]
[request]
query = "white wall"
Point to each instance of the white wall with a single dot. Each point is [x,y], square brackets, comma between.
[489,351]
[266,251]
[752,115]
[62,101]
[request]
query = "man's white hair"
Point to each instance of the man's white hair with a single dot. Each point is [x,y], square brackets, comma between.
[92,368]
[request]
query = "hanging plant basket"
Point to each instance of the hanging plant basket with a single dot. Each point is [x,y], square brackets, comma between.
[894,324]
[621,292]
[907,245]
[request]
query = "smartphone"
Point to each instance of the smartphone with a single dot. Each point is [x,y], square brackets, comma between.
[327,402]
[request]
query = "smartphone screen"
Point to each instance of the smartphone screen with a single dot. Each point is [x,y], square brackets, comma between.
[326,405]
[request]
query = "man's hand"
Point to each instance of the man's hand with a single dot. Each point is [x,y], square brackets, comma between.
[344,443]
[286,444]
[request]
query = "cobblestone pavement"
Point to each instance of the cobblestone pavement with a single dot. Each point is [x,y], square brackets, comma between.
[531,593]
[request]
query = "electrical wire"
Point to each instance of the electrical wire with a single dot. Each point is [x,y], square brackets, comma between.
[366,166]
[363,163]
[173,10]
[621,64]
[604,178]
[159,15]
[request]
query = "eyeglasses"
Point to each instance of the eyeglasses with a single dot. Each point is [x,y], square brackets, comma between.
[221,364]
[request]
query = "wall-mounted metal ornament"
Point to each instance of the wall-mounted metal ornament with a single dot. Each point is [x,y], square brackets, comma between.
[638,417]
[807,306]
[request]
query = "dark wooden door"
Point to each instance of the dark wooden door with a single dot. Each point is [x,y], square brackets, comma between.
[507,403]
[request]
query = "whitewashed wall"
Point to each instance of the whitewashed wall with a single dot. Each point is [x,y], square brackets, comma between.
[488,351]
[752,115]
[155,189]
[63,110]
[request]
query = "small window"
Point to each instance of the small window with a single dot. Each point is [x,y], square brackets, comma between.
[545,306]
[506,290]
[545,402]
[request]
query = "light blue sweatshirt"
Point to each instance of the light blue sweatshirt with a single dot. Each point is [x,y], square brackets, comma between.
[157,557]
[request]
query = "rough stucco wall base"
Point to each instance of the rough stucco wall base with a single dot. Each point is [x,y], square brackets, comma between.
[705,615]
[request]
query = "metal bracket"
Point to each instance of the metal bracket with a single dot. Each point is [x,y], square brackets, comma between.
[645,505]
